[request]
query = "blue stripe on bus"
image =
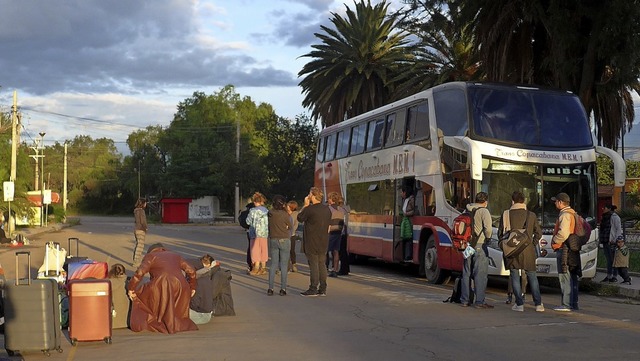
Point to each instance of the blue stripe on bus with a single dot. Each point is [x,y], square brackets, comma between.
[374,230]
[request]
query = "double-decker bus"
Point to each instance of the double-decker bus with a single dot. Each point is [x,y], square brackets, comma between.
[446,144]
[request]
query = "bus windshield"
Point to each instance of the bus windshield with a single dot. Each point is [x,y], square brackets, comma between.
[528,117]
[538,183]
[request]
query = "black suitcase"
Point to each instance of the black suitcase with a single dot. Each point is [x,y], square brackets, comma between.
[70,257]
[31,314]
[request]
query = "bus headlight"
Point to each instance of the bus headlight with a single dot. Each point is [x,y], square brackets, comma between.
[590,246]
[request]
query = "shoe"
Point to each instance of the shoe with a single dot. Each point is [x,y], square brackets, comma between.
[333,274]
[483,306]
[322,293]
[562,309]
[509,299]
[309,293]
[606,279]
[540,308]
[294,268]
[269,292]
[343,273]
[628,281]
[613,280]
[464,305]
[283,293]
[518,308]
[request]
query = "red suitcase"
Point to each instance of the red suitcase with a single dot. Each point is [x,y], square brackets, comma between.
[89,310]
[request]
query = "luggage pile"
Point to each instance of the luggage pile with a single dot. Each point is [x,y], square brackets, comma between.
[69,291]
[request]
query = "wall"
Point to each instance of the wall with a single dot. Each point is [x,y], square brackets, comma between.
[203,210]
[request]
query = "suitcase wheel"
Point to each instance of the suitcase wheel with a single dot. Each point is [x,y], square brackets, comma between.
[74,341]
[11,352]
[107,340]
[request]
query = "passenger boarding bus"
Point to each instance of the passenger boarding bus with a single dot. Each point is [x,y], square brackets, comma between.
[449,142]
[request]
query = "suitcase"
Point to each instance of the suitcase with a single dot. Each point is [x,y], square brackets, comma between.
[89,310]
[70,257]
[87,269]
[31,314]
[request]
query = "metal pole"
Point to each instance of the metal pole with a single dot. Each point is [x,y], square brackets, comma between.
[237,199]
[14,136]
[42,216]
[64,189]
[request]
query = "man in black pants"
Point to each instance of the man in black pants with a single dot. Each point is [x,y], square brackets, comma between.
[315,240]
[242,219]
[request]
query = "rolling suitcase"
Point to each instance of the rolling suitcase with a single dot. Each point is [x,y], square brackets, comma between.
[31,314]
[89,310]
[87,269]
[70,257]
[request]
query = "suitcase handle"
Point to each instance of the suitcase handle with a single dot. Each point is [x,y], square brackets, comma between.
[77,245]
[28,253]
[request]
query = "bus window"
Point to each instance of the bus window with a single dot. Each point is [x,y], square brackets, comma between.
[418,123]
[395,130]
[376,133]
[331,148]
[372,198]
[320,154]
[358,134]
[343,144]
[451,112]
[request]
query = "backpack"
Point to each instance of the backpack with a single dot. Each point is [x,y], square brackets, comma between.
[337,220]
[457,292]
[462,231]
[242,219]
[581,233]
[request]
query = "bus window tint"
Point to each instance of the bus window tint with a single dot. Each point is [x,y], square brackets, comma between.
[375,136]
[562,121]
[358,135]
[451,112]
[418,123]
[395,131]
[343,144]
[331,148]
[320,154]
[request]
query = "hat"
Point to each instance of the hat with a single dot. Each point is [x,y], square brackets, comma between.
[620,238]
[563,197]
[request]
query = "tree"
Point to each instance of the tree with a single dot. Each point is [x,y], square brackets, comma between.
[354,65]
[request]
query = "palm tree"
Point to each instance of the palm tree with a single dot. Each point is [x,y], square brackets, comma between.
[354,65]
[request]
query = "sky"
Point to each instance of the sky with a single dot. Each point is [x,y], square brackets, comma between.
[106,68]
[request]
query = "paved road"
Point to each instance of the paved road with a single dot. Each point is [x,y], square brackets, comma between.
[376,313]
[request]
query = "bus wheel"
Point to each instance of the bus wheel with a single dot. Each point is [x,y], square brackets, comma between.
[433,273]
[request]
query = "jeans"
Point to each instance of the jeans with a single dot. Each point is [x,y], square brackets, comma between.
[609,251]
[317,271]
[279,251]
[408,249]
[476,267]
[569,283]
[533,284]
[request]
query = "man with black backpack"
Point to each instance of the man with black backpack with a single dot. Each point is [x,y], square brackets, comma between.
[476,266]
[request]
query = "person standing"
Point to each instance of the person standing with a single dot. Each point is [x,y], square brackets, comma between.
[621,260]
[316,218]
[568,262]
[610,230]
[242,219]
[140,230]
[476,266]
[406,226]
[258,222]
[292,208]
[525,261]
[336,227]
[162,304]
[279,243]
[343,253]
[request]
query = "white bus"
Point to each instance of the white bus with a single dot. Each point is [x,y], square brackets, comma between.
[446,144]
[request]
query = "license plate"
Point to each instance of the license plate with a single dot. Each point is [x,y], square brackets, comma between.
[543,268]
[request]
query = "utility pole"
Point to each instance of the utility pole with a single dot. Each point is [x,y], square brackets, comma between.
[42,219]
[15,136]
[64,181]
[237,199]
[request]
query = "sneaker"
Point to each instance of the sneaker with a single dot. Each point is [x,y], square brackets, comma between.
[562,309]
[540,308]
[333,274]
[605,279]
[613,280]
[464,305]
[483,305]
[309,293]
[517,308]
[509,299]
[283,293]
[269,292]
[322,293]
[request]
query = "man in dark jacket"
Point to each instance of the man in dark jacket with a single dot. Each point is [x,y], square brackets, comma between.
[518,216]
[315,240]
